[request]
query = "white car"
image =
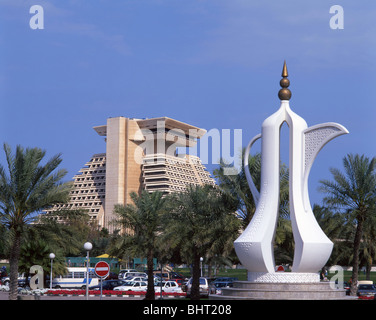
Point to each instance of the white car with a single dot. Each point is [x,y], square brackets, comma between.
[133,286]
[167,286]
[134,279]
[127,270]
[124,275]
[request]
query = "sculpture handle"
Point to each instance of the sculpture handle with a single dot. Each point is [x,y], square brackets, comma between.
[315,138]
[254,191]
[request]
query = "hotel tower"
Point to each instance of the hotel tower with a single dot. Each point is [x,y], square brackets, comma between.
[141,154]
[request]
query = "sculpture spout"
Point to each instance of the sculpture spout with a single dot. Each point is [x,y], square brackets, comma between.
[312,246]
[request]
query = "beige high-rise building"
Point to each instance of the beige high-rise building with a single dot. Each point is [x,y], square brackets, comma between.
[141,154]
[89,187]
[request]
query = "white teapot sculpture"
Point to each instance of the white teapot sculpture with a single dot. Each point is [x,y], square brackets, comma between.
[254,246]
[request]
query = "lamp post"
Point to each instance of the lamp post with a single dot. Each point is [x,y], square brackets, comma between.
[201,259]
[52,257]
[87,246]
[161,283]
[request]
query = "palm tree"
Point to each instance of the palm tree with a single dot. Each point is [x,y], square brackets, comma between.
[237,186]
[4,242]
[142,223]
[27,188]
[355,191]
[36,252]
[202,223]
[68,236]
[283,242]
[368,250]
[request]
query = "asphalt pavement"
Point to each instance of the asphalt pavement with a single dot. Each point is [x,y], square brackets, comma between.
[5,296]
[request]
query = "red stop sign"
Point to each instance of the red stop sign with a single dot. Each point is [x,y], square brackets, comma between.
[102,269]
[280,269]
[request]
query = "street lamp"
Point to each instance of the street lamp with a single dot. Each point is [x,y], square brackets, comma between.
[201,259]
[87,246]
[52,257]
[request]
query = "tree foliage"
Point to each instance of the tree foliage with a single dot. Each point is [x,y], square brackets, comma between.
[141,222]
[202,223]
[26,187]
[354,192]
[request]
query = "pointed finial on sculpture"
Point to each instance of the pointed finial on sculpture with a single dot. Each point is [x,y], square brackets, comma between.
[284,93]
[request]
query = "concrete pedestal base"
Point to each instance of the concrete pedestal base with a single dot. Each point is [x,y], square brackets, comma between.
[247,290]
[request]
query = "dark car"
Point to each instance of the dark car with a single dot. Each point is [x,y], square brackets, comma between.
[180,282]
[108,285]
[222,284]
[175,275]
[112,276]
[225,279]
[366,291]
[24,283]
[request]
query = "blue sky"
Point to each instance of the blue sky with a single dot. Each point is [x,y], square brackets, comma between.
[213,64]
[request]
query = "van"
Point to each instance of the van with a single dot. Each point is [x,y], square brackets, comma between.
[165,275]
[132,274]
[75,278]
[123,272]
[205,287]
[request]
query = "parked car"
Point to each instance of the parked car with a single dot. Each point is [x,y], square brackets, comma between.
[165,274]
[108,285]
[123,272]
[167,286]
[132,286]
[219,285]
[132,274]
[112,276]
[180,282]
[366,291]
[175,275]
[206,287]
[5,281]
[22,282]
[225,279]
[133,279]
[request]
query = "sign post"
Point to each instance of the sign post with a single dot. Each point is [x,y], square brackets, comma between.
[102,269]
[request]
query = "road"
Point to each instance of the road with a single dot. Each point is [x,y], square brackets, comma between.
[5,296]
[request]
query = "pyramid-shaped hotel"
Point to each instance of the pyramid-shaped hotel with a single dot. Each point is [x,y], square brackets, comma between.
[141,154]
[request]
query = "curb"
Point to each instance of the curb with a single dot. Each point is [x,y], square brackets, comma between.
[110,295]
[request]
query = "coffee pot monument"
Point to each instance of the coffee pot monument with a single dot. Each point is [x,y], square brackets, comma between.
[254,247]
